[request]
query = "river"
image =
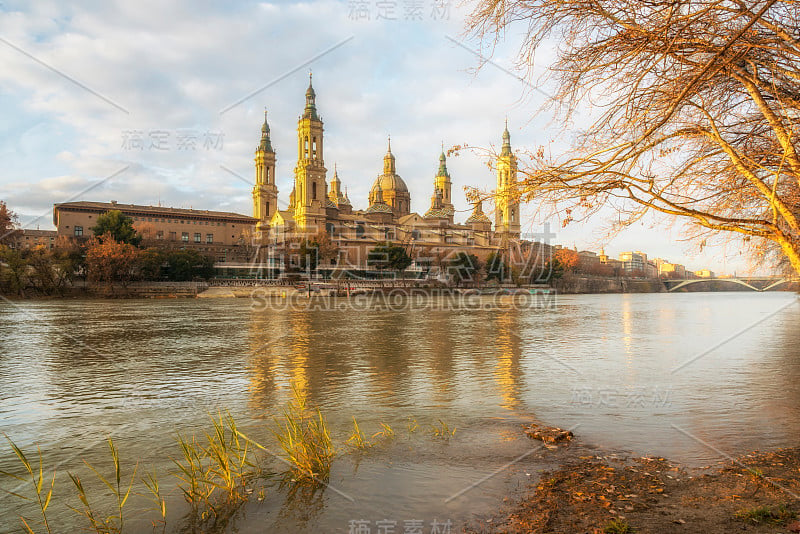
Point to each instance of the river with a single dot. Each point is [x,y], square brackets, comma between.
[692,377]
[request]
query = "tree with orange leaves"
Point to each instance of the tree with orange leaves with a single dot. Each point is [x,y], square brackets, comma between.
[568,259]
[109,261]
[696,107]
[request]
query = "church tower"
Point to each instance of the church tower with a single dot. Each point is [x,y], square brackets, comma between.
[506,222]
[335,193]
[265,192]
[442,183]
[310,188]
[393,189]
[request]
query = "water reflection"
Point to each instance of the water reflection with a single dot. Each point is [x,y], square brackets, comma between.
[266,331]
[508,373]
[401,359]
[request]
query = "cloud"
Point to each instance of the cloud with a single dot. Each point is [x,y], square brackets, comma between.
[83,77]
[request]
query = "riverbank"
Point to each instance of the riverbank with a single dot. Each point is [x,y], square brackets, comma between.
[756,492]
[572,285]
[577,285]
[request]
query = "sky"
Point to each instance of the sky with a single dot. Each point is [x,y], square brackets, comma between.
[158,102]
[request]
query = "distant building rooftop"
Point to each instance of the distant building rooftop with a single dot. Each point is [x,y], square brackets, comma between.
[102,207]
[39,233]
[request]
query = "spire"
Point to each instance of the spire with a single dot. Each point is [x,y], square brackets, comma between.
[506,141]
[311,107]
[265,144]
[335,192]
[388,160]
[443,164]
[436,203]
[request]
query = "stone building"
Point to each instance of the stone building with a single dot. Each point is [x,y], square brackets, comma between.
[30,238]
[222,235]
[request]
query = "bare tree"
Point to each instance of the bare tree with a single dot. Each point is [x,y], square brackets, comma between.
[696,106]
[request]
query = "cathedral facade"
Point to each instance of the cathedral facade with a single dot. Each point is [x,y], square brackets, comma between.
[317,204]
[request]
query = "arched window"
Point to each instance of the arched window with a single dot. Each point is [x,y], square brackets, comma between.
[313,190]
[305,147]
[313,147]
[513,214]
[266,209]
[330,228]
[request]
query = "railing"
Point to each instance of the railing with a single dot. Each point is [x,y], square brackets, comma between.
[353,283]
[247,282]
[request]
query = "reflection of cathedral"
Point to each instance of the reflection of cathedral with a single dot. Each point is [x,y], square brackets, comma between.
[314,206]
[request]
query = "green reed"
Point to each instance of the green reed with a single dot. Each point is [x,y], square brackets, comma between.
[306,442]
[150,481]
[110,524]
[357,439]
[442,430]
[386,432]
[37,479]
[213,474]
[412,425]
[215,470]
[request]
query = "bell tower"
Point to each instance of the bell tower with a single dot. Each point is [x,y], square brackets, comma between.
[310,188]
[442,183]
[265,192]
[506,200]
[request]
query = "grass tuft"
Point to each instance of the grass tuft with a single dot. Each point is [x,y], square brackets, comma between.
[304,437]
[618,526]
[442,430]
[412,425]
[357,439]
[213,474]
[765,515]
[386,432]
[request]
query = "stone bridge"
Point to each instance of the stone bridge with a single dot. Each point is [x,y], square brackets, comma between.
[756,283]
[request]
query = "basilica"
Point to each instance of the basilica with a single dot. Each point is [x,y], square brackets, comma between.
[318,204]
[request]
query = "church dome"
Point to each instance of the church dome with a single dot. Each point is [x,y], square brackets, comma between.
[390,182]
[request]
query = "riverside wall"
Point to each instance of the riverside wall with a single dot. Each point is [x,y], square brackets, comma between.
[585,284]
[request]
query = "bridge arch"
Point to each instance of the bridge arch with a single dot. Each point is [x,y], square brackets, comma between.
[742,282]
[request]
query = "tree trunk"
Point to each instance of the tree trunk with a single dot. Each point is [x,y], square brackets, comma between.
[792,253]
